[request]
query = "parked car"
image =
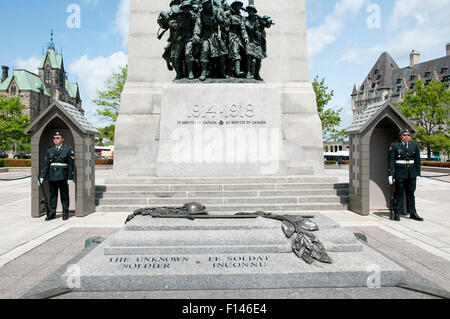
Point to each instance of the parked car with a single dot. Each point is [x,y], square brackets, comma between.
[3,154]
[23,155]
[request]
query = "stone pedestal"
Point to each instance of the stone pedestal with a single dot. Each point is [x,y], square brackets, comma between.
[138,127]
[179,254]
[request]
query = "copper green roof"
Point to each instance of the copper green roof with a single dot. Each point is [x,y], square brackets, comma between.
[72,88]
[25,80]
[54,59]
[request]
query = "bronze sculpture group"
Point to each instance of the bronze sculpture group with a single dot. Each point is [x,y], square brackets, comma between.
[209,38]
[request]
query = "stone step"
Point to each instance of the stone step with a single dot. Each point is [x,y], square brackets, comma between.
[216,187]
[219,180]
[224,194]
[294,209]
[224,201]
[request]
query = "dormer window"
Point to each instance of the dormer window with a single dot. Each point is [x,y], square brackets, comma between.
[443,70]
[427,74]
[412,77]
[13,90]
[399,81]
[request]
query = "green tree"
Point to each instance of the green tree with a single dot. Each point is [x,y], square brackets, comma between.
[13,124]
[107,132]
[331,119]
[427,107]
[108,99]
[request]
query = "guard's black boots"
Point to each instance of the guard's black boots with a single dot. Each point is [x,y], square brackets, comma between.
[65,217]
[48,218]
[416,217]
[397,217]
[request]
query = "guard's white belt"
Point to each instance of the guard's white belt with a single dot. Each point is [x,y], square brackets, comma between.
[405,162]
[59,164]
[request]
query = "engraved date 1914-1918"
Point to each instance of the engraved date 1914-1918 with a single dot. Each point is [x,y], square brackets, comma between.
[225,111]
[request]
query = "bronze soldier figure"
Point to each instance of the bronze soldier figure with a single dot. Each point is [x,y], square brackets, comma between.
[237,35]
[163,21]
[208,28]
[183,25]
[256,48]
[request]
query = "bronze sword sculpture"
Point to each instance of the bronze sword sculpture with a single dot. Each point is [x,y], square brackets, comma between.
[298,228]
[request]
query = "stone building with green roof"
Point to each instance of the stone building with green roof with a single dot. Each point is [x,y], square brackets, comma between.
[38,91]
[388,82]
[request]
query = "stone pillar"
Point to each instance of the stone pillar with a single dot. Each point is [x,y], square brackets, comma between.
[287,64]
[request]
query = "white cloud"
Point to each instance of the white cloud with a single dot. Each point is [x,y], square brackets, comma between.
[413,25]
[92,74]
[418,12]
[334,25]
[31,64]
[122,21]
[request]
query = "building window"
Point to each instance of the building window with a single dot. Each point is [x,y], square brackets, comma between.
[48,76]
[427,74]
[412,77]
[399,81]
[443,70]
[13,90]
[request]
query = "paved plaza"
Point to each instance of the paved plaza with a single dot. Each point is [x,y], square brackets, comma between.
[32,249]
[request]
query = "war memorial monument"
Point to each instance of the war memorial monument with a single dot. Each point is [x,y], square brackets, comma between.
[218,109]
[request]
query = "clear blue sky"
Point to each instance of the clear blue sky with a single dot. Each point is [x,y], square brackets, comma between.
[343,44]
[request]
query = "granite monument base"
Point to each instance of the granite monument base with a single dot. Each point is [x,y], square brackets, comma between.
[179,254]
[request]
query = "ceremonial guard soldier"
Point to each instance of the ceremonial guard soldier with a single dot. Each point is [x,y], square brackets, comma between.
[404,168]
[59,169]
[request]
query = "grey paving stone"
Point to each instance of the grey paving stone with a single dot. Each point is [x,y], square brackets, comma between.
[15,269]
[8,280]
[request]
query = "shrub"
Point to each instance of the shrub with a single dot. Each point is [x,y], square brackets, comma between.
[104,161]
[436,164]
[9,162]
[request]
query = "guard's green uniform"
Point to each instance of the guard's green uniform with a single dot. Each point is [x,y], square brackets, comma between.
[59,168]
[404,165]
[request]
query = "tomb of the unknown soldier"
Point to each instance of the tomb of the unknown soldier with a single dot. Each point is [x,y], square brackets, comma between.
[218,185]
